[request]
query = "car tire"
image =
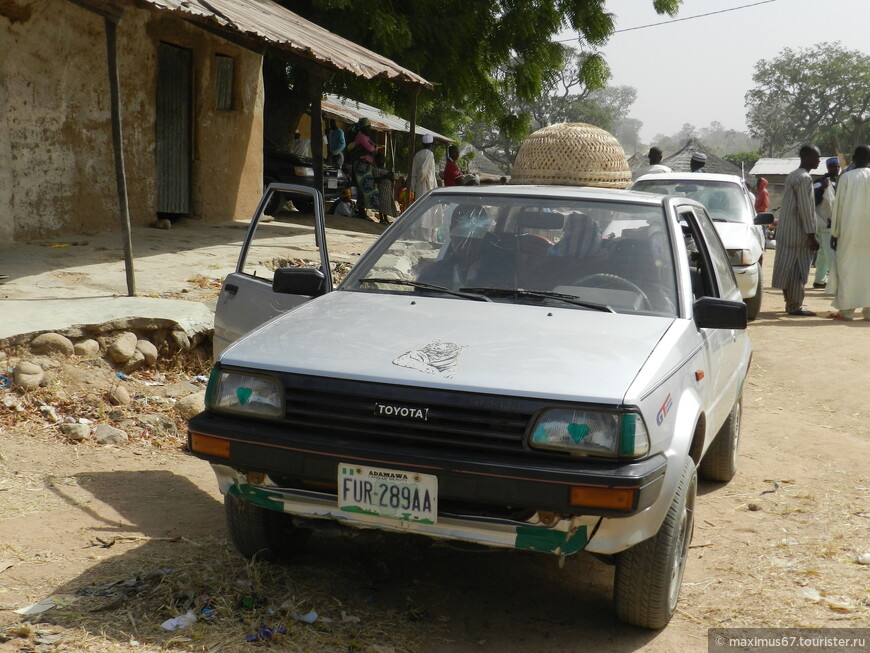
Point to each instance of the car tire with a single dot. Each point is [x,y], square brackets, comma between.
[753,304]
[720,461]
[649,574]
[262,533]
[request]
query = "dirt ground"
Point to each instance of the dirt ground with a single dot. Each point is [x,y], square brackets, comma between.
[125,537]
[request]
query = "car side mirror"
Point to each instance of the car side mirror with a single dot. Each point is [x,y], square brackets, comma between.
[764,218]
[299,281]
[715,313]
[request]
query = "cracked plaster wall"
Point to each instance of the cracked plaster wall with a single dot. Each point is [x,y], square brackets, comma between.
[58,172]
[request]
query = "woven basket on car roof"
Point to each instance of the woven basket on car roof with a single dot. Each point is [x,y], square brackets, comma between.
[572,154]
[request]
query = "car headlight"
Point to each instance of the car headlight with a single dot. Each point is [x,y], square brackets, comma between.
[590,433]
[302,171]
[245,394]
[740,257]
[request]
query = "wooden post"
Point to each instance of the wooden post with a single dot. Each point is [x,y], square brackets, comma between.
[316,134]
[412,134]
[118,143]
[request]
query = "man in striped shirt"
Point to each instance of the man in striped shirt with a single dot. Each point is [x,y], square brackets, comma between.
[796,234]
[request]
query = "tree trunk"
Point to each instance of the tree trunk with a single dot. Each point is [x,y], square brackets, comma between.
[286,99]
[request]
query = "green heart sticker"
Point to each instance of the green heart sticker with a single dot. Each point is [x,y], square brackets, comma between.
[243,394]
[578,432]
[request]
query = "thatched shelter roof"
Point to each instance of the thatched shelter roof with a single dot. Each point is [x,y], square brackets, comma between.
[679,161]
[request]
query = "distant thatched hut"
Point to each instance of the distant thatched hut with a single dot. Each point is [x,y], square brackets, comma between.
[679,161]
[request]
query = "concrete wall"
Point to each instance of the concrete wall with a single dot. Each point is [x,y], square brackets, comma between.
[58,172]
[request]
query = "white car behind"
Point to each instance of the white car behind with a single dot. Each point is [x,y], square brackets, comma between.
[731,207]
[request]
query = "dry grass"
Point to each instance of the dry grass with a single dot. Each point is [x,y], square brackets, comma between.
[125,605]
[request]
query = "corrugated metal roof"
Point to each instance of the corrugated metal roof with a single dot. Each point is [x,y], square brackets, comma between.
[784,166]
[272,24]
[351,110]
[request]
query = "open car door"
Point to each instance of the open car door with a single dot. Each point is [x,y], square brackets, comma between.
[281,265]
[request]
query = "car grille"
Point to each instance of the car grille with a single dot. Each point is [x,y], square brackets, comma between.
[364,410]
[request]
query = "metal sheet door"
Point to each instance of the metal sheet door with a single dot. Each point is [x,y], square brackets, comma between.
[174,128]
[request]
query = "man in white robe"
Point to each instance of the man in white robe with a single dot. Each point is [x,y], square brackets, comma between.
[850,238]
[423,180]
[423,172]
[655,164]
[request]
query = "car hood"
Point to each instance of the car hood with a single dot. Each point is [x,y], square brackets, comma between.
[458,344]
[739,235]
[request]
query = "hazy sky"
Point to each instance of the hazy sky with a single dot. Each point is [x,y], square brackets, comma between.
[698,70]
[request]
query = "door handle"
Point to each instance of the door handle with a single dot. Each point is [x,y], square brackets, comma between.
[231,288]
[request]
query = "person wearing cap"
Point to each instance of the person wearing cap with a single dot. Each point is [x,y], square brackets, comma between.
[823,192]
[796,240]
[655,164]
[343,205]
[423,168]
[698,161]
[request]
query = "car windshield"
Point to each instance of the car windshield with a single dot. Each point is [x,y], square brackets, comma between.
[579,254]
[724,200]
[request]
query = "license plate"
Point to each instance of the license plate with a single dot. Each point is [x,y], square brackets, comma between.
[405,496]
[332,183]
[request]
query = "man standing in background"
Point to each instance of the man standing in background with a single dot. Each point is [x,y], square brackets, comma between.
[337,144]
[423,173]
[452,173]
[796,234]
[655,163]
[850,237]
[823,192]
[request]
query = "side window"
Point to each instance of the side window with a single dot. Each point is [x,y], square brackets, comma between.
[721,264]
[287,240]
[710,269]
[224,68]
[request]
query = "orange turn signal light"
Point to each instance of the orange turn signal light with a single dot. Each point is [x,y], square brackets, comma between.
[602,497]
[209,445]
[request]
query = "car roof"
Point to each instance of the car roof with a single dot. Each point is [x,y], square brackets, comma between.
[552,191]
[690,176]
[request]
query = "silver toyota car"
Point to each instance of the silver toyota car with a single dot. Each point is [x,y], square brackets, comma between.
[533,367]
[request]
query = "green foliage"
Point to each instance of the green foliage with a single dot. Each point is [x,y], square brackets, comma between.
[745,159]
[474,52]
[815,95]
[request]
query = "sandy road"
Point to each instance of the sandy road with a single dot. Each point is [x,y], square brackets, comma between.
[775,547]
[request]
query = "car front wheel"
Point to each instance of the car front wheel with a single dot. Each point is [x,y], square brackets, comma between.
[649,574]
[753,304]
[262,533]
[720,461]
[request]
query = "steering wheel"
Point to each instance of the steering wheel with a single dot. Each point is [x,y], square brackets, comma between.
[614,280]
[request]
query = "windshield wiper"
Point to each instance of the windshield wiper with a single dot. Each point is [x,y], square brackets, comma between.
[542,294]
[427,286]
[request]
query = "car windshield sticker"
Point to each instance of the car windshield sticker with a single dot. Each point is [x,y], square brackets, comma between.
[435,357]
[663,411]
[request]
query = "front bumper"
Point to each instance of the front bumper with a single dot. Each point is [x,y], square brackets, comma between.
[517,500]
[557,536]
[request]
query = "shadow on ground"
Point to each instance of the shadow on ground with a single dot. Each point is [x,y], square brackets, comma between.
[402,591]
